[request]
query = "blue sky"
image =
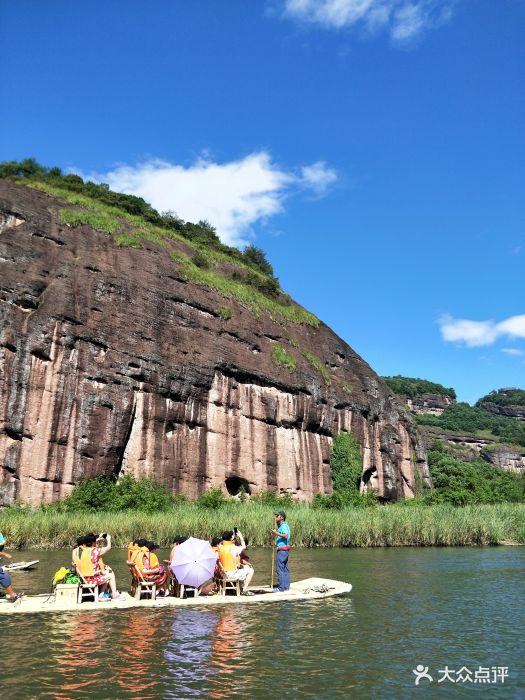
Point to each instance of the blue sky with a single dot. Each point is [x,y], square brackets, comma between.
[373,148]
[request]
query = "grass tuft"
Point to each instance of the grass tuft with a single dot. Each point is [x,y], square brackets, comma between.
[283,358]
[128,241]
[319,366]
[225,312]
[100,221]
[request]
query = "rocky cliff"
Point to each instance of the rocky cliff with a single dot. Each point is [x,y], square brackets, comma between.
[430,404]
[517,412]
[111,361]
[511,459]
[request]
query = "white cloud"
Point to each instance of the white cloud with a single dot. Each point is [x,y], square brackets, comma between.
[405,20]
[318,177]
[513,351]
[478,333]
[232,196]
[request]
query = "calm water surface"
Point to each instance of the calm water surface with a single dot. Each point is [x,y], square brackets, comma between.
[436,607]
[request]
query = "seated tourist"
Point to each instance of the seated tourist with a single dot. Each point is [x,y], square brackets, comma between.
[5,579]
[215,543]
[178,539]
[152,571]
[77,552]
[87,558]
[229,557]
[132,549]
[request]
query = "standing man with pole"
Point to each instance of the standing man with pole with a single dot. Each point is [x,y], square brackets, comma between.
[282,544]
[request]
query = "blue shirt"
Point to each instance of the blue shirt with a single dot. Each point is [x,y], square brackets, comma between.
[284,528]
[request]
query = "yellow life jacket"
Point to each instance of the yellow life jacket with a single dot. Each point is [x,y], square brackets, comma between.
[75,557]
[227,556]
[153,561]
[139,558]
[85,566]
[132,548]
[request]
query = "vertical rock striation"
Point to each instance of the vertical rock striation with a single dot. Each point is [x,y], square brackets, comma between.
[112,362]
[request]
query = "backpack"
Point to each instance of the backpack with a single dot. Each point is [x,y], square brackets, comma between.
[60,575]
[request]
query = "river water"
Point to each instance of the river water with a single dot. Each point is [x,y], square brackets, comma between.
[436,607]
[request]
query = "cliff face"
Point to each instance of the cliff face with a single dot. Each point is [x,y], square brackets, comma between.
[517,412]
[111,362]
[433,404]
[510,459]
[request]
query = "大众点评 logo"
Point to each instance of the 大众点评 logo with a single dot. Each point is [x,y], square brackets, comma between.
[482,674]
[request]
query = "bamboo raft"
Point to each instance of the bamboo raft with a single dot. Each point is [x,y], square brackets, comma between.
[307,589]
[21,566]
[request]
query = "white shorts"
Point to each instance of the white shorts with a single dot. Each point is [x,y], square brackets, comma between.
[236,575]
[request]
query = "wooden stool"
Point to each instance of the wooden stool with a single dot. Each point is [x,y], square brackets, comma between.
[87,591]
[139,587]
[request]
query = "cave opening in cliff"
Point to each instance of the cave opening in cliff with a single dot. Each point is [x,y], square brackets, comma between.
[235,485]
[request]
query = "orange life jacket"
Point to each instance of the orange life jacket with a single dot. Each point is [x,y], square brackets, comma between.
[153,561]
[84,565]
[227,556]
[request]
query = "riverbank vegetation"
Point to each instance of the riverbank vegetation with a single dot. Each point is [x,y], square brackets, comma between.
[410,524]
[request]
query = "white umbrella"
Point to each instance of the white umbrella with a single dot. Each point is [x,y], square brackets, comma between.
[193,562]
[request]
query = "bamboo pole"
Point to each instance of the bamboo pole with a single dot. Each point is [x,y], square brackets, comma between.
[273,561]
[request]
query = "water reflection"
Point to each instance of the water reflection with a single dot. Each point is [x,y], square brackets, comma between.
[77,655]
[227,651]
[188,652]
[135,671]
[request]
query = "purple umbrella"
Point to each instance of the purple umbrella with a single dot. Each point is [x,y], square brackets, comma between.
[193,562]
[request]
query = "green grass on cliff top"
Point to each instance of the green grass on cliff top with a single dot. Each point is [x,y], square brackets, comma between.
[129,230]
[412,386]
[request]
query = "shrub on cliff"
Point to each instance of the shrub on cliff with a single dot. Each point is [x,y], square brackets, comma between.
[347,498]
[256,257]
[102,494]
[212,499]
[272,499]
[346,463]
[346,466]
